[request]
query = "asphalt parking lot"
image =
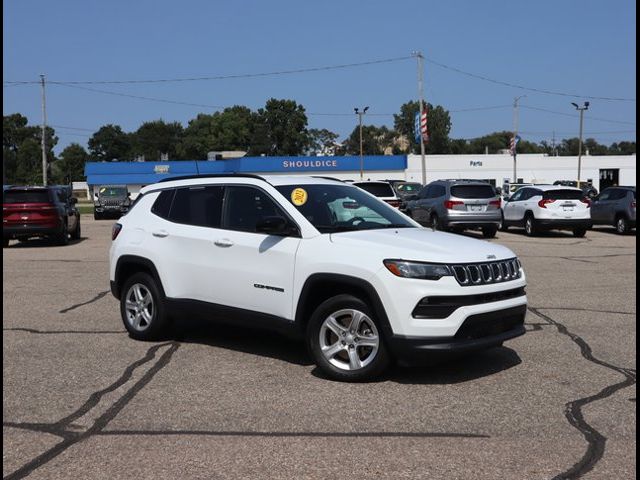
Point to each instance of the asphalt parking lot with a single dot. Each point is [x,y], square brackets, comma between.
[83,400]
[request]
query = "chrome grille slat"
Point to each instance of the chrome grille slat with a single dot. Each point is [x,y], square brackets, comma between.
[485,273]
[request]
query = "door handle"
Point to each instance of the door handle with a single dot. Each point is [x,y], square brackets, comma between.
[160,234]
[223,242]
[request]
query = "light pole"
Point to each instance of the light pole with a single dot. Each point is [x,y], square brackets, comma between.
[581,110]
[43,141]
[360,114]
[420,59]
[515,136]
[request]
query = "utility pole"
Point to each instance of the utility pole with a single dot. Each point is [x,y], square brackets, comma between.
[515,136]
[581,110]
[420,59]
[360,114]
[43,142]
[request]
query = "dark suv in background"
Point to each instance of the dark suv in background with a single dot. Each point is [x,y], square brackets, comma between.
[615,206]
[111,201]
[39,212]
[457,205]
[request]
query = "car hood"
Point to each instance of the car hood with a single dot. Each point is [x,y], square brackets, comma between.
[423,244]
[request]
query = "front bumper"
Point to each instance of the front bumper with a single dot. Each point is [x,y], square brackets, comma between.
[478,332]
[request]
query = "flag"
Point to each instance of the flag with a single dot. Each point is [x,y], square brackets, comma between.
[512,144]
[421,129]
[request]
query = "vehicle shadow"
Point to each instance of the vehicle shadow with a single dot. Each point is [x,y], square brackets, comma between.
[43,242]
[241,339]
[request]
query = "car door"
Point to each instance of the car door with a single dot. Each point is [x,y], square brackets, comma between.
[418,206]
[600,205]
[512,208]
[254,270]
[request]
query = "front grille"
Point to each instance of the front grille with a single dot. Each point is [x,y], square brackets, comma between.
[110,202]
[471,274]
[443,306]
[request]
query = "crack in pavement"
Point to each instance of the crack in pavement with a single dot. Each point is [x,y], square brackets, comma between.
[62,332]
[616,312]
[231,433]
[77,305]
[70,438]
[573,410]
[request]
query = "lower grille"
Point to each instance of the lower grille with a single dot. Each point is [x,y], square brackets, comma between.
[442,307]
[471,274]
[492,323]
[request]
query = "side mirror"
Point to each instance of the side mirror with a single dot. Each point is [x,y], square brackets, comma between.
[73,200]
[275,225]
[128,194]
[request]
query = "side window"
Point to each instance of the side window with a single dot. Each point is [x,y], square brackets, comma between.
[617,194]
[162,205]
[606,195]
[438,191]
[516,197]
[424,193]
[246,206]
[200,206]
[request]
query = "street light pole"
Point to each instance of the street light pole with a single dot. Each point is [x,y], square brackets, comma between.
[420,58]
[515,136]
[581,110]
[360,114]
[43,141]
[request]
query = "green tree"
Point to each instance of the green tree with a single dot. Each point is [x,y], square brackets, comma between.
[110,143]
[21,150]
[322,141]
[285,125]
[622,148]
[152,139]
[438,125]
[375,140]
[70,166]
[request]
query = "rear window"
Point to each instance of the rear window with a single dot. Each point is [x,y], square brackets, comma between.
[473,191]
[377,189]
[26,196]
[562,195]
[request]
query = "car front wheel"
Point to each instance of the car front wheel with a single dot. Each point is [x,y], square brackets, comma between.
[346,341]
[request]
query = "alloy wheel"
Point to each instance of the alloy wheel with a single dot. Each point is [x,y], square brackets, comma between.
[349,339]
[139,307]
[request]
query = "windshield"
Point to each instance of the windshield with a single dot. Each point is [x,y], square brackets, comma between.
[408,187]
[112,192]
[26,196]
[342,208]
[377,189]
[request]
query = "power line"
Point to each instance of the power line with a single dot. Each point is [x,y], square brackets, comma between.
[521,87]
[576,116]
[235,76]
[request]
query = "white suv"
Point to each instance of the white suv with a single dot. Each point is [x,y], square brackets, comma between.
[547,207]
[321,259]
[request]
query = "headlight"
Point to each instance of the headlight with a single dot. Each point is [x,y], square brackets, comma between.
[426,271]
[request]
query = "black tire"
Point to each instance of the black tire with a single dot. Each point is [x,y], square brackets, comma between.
[5,242]
[530,226]
[489,232]
[434,222]
[622,225]
[579,232]
[375,365]
[156,327]
[77,232]
[503,225]
[62,238]
[97,216]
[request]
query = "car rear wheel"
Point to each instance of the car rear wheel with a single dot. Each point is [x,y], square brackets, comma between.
[62,238]
[434,222]
[530,227]
[345,340]
[97,216]
[141,307]
[5,242]
[579,232]
[77,232]
[622,225]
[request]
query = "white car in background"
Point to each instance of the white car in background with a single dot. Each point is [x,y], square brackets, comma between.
[383,190]
[548,207]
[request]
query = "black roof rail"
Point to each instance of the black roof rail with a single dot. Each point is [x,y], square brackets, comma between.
[327,178]
[213,175]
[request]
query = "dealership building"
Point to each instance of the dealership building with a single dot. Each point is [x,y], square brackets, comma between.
[601,171]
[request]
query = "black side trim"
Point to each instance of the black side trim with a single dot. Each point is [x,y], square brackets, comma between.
[307,294]
[232,316]
[442,307]
[126,262]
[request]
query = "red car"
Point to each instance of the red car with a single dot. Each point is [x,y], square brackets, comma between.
[39,212]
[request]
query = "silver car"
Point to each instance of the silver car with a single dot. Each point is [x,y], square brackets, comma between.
[615,206]
[457,205]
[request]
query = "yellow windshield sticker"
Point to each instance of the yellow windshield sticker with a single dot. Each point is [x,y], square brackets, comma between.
[299,197]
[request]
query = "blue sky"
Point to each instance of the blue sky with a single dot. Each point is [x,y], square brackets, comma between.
[581,47]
